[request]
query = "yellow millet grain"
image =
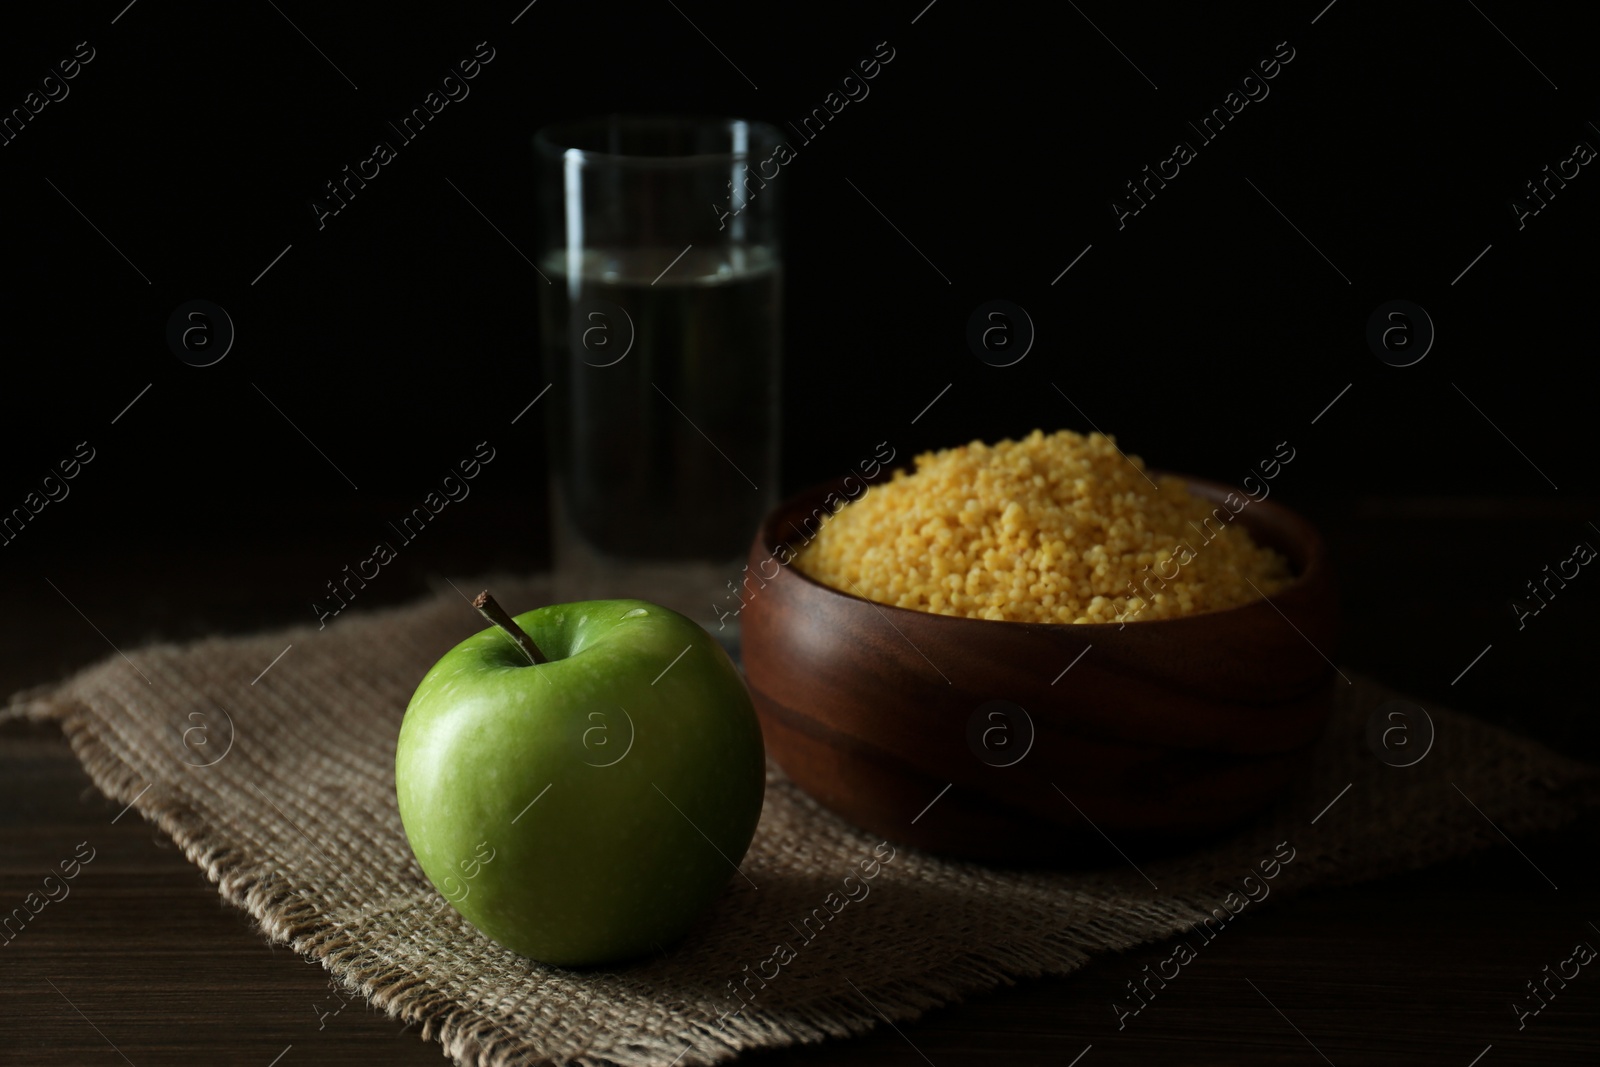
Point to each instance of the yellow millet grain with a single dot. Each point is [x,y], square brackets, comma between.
[1060,528]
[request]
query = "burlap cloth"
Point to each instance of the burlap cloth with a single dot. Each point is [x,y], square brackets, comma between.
[297,824]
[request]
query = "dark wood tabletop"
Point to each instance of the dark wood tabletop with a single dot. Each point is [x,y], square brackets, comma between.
[144,964]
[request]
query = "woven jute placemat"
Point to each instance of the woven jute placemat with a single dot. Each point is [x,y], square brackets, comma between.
[285,798]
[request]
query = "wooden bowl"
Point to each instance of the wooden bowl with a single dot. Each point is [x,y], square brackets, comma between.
[1160,731]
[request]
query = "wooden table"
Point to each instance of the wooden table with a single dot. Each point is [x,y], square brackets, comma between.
[144,964]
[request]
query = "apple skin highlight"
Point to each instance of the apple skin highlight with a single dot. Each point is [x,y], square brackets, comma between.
[585,810]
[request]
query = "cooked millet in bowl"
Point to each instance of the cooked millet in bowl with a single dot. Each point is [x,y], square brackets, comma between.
[1058,528]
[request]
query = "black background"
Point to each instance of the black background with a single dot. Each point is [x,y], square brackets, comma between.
[1201,334]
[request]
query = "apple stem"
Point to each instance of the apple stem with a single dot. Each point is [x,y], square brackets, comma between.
[490,609]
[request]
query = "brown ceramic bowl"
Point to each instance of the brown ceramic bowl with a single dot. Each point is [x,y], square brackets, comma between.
[1163,731]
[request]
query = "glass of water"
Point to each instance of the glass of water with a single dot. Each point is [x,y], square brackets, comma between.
[661,325]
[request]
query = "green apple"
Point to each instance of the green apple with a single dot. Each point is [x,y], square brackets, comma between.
[586,809]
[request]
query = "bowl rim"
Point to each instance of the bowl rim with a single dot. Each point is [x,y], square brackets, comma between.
[1315,570]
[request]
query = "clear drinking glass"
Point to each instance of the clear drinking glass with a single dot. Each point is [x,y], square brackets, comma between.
[661,327]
